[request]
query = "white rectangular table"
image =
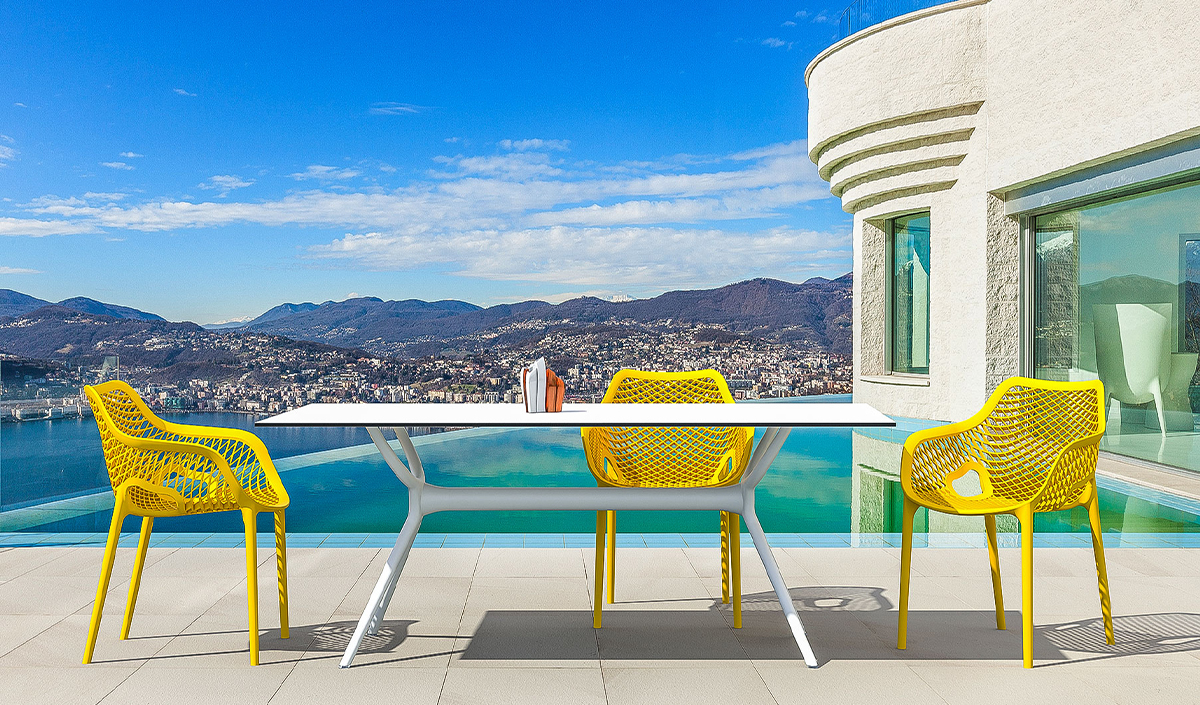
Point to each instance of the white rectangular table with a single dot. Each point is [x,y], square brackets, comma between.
[425,498]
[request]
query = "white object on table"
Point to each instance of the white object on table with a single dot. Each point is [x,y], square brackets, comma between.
[424,498]
[533,386]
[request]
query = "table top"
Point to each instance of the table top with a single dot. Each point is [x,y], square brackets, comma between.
[580,415]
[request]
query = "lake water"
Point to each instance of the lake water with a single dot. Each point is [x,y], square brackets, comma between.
[810,488]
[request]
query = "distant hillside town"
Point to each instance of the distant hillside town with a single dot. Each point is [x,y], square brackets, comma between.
[769,338]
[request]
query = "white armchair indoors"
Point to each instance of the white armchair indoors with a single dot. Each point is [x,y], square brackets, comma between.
[1135,361]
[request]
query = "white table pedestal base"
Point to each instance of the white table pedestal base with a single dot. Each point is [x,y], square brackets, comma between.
[424,499]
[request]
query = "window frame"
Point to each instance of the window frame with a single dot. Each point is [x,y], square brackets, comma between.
[890,297]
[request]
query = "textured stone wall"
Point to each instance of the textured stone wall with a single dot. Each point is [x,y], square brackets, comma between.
[1003,294]
[872,301]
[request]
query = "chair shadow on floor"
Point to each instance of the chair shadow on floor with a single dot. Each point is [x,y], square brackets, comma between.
[867,633]
[313,642]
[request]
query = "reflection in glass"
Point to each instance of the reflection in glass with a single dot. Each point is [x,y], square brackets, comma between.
[1117,297]
[910,294]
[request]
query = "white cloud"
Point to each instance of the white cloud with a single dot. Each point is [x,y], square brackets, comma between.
[775,43]
[18,270]
[525,215]
[536,145]
[7,153]
[518,166]
[325,173]
[31,227]
[628,256]
[180,91]
[225,184]
[117,165]
[95,196]
[20,105]
[132,155]
[452,140]
[789,23]
[396,109]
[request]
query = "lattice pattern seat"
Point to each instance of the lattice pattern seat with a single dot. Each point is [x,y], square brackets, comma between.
[1033,447]
[656,456]
[162,469]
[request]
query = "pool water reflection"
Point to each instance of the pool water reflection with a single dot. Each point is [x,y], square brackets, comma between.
[824,481]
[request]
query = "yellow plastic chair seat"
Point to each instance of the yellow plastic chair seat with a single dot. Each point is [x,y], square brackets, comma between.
[162,469]
[657,456]
[1033,447]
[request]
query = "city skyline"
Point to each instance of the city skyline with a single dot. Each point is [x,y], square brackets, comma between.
[430,152]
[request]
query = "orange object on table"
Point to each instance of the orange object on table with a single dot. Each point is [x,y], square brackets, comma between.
[555,390]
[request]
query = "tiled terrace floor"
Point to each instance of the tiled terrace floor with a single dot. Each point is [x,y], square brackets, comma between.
[485,625]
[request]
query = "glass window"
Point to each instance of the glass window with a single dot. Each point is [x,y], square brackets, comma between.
[910,294]
[1117,297]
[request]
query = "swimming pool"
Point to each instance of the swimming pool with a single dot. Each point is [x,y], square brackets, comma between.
[824,482]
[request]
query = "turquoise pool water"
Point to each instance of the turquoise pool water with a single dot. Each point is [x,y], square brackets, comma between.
[340,485]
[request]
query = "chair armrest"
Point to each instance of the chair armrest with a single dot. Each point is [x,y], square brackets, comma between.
[931,456]
[184,454]
[1073,469]
[235,459]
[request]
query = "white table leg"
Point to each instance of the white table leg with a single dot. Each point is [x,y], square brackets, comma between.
[781,591]
[386,584]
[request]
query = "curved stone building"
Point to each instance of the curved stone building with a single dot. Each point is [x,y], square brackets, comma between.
[1024,177]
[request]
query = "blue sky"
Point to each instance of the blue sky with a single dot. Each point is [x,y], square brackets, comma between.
[207,163]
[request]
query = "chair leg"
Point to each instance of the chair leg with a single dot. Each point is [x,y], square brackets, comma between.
[735,566]
[989,521]
[725,557]
[110,554]
[1101,571]
[248,517]
[1162,413]
[1025,516]
[612,557]
[281,572]
[136,581]
[597,598]
[910,510]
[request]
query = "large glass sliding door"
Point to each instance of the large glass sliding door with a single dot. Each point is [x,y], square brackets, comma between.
[1117,297]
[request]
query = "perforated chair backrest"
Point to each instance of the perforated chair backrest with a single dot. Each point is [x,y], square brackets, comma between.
[118,409]
[668,456]
[1027,425]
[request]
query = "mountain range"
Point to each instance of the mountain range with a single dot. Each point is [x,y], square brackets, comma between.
[816,313]
[14,303]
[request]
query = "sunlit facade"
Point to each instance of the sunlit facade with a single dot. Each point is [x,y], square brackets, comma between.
[1024,177]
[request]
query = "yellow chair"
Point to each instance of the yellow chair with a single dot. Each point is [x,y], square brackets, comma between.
[1033,447]
[161,469]
[668,457]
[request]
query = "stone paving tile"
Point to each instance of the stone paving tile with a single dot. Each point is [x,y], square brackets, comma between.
[17,629]
[983,684]
[61,686]
[708,684]
[49,595]
[15,562]
[329,684]
[850,682]
[523,563]
[537,640]
[469,686]
[179,685]
[61,645]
